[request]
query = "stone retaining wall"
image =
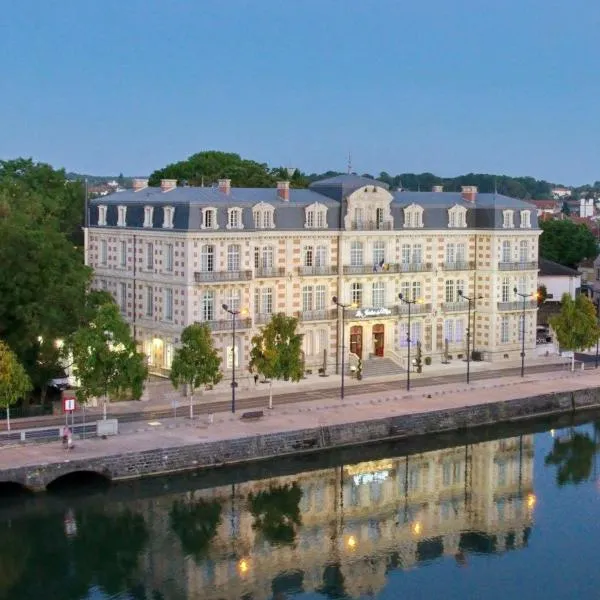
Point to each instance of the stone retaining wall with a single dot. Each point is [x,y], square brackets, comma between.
[257,447]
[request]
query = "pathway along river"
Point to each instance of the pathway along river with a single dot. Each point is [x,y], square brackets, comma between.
[496,513]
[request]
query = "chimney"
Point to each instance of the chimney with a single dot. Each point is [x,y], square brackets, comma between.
[437,188]
[225,186]
[139,184]
[283,190]
[166,185]
[469,193]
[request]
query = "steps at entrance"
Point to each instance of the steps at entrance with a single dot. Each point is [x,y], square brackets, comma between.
[378,367]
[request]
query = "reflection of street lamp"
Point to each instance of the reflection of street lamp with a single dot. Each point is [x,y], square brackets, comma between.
[409,302]
[416,528]
[351,542]
[244,566]
[469,300]
[531,500]
[343,307]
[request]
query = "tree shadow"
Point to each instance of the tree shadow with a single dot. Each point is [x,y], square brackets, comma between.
[573,458]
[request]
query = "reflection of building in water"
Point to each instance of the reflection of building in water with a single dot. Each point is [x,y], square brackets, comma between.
[359,522]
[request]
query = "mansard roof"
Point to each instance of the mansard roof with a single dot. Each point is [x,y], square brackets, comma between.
[340,186]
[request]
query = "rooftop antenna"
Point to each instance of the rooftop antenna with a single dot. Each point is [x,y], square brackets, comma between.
[349,163]
[202,180]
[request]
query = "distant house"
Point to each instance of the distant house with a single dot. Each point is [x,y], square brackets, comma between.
[546,207]
[558,280]
[560,193]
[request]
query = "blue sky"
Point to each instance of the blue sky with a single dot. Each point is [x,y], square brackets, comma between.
[503,86]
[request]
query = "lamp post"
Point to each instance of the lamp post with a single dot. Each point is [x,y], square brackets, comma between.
[410,303]
[234,314]
[597,317]
[524,298]
[343,307]
[469,300]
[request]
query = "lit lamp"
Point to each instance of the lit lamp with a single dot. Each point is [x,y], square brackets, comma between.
[469,300]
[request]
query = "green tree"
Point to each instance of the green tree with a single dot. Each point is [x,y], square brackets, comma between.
[565,209]
[277,351]
[14,382]
[567,243]
[105,357]
[196,363]
[542,294]
[576,325]
[573,457]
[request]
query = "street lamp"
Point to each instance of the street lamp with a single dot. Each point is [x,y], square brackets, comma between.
[523,297]
[409,302]
[234,314]
[469,300]
[343,307]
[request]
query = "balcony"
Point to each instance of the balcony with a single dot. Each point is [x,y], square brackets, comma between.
[262,318]
[221,276]
[227,324]
[459,265]
[415,309]
[455,306]
[371,226]
[269,272]
[327,314]
[531,265]
[517,305]
[415,267]
[321,270]
[371,269]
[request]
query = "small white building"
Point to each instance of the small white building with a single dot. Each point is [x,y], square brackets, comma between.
[558,280]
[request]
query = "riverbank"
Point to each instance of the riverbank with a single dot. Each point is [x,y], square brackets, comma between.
[161,448]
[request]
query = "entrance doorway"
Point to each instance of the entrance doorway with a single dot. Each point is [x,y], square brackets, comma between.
[356,337]
[378,339]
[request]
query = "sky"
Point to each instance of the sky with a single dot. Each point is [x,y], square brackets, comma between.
[446,86]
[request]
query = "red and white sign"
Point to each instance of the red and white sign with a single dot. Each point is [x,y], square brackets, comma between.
[69,402]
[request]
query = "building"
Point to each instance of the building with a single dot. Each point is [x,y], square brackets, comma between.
[174,255]
[558,280]
[546,207]
[561,193]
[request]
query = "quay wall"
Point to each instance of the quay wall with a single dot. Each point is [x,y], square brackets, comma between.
[163,461]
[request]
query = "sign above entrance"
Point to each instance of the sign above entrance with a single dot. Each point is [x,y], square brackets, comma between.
[365,313]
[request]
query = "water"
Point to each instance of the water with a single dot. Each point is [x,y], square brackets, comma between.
[472,517]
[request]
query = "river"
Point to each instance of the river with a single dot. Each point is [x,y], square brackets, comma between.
[495,513]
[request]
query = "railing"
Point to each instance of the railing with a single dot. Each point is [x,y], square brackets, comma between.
[518,266]
[517,305]
[416,267]
[269,272]
[321,270]
[459,265]
[455,306]
[262,318]
[371,225]
[327,314]
[227,324]
[213,276]
[371,269]
[415,309]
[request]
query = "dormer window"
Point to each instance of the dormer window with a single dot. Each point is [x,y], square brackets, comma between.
[413,217]
[525,219]
[234,218]
[102,216]
[121,216]
[209,218]
[148,216]
[457,217]
[315,216]
[508,219]
[263,215]
[169,213]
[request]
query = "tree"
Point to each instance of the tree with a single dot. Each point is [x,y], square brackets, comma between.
[576,325]
[14,382]
[565,209]
[105,357]
[567,243]
[542,294]
[277,351]
[196,363]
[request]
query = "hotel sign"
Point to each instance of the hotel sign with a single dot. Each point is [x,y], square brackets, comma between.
[365,313]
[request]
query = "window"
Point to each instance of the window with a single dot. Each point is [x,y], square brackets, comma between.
[149,301]
[267,301]
[263,216]
[378,294]
[359,216]
[378,253]
[234,218]
[168,215]
[452,473]
[457,217]
[505,289]
[450,252]
[123,297]
[168,305]
[357,294]
[413,216]
[207,258]
[169,258]
[208,305]
[522,284]
[356,254]
[504,330]
[310,218]
[320,297]
[321,219]
[104,284]
[148,216]
[461,252]
[101,216]
[405,254]
[525,219]
[308,256]
[268,257]
[320,256]
[233,257]
[451,289]
[416,332]
[417,254]
[315,216]
[209,218]
[121,216]
[149,255]
[103,253]
[307,298]
[233,299]
[501,472]
[123,253]
[521,326]
[307,343]
[508,219]
[411,290]
[379,218]
[321,340]
[523,251]
[454,330]
[506,251]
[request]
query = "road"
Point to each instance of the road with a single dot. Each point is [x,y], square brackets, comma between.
[288,398]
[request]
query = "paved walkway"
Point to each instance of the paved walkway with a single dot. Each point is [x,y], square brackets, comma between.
[170,434]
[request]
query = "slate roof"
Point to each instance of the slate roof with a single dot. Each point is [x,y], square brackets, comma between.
[554,269]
